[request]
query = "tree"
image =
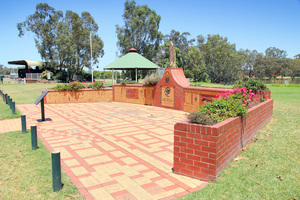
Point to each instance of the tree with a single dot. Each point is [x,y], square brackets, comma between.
[276,61]
[64,41]
[80,30]
[181,42]
[220,58]
[140,30]
[43,23]
[195,66]
[293,67]
[275,53]
[249,62]
[297,57]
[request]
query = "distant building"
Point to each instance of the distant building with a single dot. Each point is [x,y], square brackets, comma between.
[14,75]
[28,71]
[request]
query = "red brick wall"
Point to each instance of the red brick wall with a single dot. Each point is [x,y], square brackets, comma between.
[133,93]
[83,96]
[196,96]
[202,152]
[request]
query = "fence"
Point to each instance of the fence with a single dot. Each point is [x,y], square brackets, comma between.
[33,76]
[19,80]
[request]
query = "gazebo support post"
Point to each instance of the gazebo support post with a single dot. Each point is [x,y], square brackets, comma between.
[104,75]
[112,76]
[136,75]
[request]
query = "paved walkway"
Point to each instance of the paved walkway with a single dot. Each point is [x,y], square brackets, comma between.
[9,125]
[114,150]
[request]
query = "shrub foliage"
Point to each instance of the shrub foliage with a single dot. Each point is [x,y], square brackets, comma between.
[152,79]
[251,84]
[77,86]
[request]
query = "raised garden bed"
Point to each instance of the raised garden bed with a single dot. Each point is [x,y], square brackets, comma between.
[202,152]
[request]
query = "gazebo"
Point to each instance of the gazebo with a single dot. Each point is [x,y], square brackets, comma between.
[130,61]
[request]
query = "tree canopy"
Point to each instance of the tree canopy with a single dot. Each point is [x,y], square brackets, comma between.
[63,41]
[140,30]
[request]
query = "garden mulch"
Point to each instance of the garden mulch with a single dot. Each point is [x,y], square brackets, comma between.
[114,150]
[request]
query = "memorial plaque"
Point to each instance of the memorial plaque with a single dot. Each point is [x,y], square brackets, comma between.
[167,96]
[132,93]
[41,97]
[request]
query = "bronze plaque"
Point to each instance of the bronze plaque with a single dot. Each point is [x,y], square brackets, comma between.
[132,93]
[167,96]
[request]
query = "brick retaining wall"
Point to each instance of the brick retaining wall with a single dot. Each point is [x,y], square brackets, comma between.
[202,152]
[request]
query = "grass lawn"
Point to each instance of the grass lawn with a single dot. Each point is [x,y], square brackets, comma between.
[26,173]
[269,168]
[5,111]
[205,84]
[25,93]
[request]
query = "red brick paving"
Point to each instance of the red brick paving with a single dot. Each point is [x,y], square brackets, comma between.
[114,150]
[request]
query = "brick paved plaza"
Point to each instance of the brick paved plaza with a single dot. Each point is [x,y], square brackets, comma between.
[113,150]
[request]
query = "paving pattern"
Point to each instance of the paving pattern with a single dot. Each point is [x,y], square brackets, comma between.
[113,150]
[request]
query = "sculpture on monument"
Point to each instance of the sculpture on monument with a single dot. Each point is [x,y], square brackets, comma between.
[172,56]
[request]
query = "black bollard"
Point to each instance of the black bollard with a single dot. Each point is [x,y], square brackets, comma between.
[33,138]
[8,101]
[56,171]
[23,121]
[13,107]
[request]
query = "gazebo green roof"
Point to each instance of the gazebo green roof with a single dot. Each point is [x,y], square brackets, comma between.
[132,60]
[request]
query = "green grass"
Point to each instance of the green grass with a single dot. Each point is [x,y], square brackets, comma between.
[284,85]
[269,168]
[5,111]
[26,173]
[25,93]
[205,84]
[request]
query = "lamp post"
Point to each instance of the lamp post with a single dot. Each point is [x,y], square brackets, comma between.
[91,57]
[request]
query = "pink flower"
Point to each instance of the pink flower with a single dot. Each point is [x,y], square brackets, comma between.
[244,100]
[249,104]
[252,94]
[249,96]
[227,96]
[243,95]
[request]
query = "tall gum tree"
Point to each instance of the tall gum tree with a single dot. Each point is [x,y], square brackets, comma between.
[140,30]
[220,57]
[64,41]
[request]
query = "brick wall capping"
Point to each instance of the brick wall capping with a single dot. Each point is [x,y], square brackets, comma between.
[214,89]
[85,89]
[134,85]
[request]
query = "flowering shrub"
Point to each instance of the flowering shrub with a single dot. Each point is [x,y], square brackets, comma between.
[96,85]
[77,86]
[231,103]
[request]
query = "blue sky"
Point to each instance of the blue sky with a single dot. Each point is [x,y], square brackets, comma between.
[250,24]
